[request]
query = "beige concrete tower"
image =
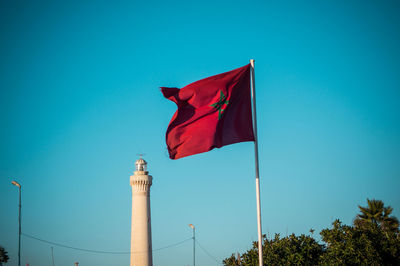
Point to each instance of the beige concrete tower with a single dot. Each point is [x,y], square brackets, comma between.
[141,253]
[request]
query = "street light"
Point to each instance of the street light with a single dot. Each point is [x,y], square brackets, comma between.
[15,183]
[194,244]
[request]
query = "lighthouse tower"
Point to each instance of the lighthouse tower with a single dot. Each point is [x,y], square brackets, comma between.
[141,253]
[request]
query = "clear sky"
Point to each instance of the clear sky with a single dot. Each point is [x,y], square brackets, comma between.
[79,99]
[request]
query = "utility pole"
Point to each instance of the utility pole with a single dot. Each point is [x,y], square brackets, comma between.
[52,255]
[15,183]
[194,244]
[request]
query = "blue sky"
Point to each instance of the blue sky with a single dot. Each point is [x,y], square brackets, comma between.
[79,99]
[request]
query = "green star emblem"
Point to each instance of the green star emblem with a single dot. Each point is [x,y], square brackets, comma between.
[218,105]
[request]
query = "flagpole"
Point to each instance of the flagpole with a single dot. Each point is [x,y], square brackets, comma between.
[253,97]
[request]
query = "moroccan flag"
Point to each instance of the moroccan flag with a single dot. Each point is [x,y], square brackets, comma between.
[212,112]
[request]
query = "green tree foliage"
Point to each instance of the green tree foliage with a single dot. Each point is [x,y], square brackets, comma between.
[373,240]
[290,250]
[347,245]
[3,256]
[376,213]
[232,261]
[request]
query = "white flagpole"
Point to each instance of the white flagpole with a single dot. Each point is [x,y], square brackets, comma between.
[253,97]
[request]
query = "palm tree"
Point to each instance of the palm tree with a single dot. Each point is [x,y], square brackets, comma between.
[377,214]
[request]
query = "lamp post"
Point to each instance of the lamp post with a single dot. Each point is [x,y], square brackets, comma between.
[15,183]
[194,244]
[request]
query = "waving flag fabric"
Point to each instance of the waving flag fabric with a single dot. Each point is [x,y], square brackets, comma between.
[212,112]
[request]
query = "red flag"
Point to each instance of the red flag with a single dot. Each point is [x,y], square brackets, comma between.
[212,112]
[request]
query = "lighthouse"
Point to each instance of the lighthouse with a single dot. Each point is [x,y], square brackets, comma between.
[141,248]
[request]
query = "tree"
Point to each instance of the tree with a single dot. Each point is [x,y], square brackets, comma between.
[376,213]
[3,256]
[366,245]
[232,260]
[373,240]
[290,250]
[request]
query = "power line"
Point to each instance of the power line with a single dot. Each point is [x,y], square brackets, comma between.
[208,253]
[119,252]
[101,251]
[75,248]
[172,245]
